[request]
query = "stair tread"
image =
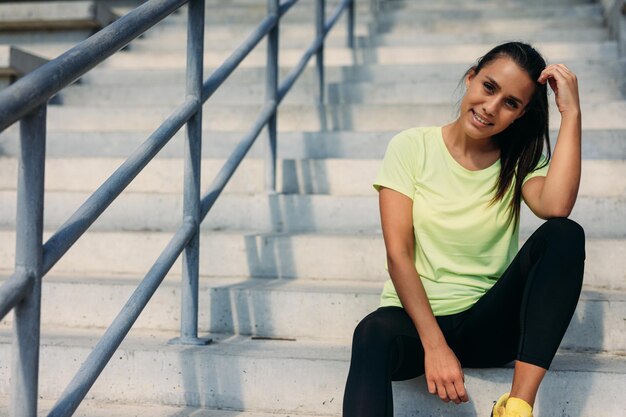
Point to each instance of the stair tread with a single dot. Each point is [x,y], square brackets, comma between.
[318,285]
[254,276]
[90,408]
[238,345]
[342,176]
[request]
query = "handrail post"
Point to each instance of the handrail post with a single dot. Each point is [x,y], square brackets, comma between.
[271,94]
[351,13]
[28,258]
[193,159]
[320,22]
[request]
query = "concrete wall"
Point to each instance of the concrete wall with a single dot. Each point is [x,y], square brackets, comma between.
[615,10]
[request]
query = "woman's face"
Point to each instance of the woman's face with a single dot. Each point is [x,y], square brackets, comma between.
[495,97]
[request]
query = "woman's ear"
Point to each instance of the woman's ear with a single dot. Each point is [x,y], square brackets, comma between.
[471,73]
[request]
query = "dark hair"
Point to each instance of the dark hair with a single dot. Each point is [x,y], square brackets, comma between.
[521,143]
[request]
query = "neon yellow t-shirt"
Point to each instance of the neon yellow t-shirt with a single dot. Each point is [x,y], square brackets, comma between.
[462,244]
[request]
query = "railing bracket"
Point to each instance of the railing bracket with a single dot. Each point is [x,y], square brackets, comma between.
[190,341]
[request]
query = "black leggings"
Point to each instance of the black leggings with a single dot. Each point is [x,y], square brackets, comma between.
[523,316]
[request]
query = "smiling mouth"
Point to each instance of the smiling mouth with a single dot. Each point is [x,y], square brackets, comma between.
[480,119]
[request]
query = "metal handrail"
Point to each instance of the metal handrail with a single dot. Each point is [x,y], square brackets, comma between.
[26,101]
[69,232]
[37,87]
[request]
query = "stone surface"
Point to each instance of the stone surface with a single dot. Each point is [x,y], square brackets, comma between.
[15,62]
[307,263]
[601,217]
[104,409]
[54,15]
[421,92]
[231,374]
[310,118]
[597,144]
[382,55]
[602,178]
[284,308]
[352,256]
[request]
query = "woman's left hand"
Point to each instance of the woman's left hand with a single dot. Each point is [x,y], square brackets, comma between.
[565,86]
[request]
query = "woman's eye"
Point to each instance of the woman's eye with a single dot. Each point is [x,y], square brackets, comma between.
[511,103]
[489,87]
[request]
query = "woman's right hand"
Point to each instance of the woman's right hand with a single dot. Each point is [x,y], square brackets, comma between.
[443,370]
[444,375]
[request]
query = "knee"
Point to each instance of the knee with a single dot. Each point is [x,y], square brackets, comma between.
[372,330]
[567,234]
[565,227]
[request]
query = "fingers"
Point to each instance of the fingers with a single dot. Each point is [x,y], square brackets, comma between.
[442,393]
[556,72]
[444,375]
[565,86]
[462,392]
[456,392]
[432,387]
[452,390]
[452,394]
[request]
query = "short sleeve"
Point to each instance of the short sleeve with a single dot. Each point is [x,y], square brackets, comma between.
[399,167]
[540,171]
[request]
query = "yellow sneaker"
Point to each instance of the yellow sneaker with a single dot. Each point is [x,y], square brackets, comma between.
[516,407]
[499,407]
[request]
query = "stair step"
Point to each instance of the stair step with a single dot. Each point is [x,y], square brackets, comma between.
[503,26]
[303,13]
[298,36]
[579,7]
[253,14]
[596,144]
[175,26]
[292,309]
[336,56]
[329,117]
[591,34]
[15,62]
[274,255]
[316,281]
[494,18]
[520,18]
[37,37]
[421,92]
[602,178]
[55,15]
[478,12]
[232,373]
[601,217]
[595,70]
[103,409]
[335,39]
[420,3]
[47,51]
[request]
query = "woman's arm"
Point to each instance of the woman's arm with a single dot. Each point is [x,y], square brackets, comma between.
[555,194]
[443,370]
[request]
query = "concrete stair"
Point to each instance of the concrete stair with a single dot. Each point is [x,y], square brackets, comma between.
[384,55]
[288,308]
[285,278]
[356,117]
[145,367]
[598,144]
[603,178]
[285,212]
[587,68]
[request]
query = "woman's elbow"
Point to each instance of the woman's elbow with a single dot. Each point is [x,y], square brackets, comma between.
[559,211]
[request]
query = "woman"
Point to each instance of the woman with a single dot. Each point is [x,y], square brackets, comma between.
[460,293]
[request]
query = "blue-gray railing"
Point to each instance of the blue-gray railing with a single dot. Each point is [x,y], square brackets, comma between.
[26,102]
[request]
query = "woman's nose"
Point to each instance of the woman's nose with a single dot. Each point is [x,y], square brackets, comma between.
[490,107]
